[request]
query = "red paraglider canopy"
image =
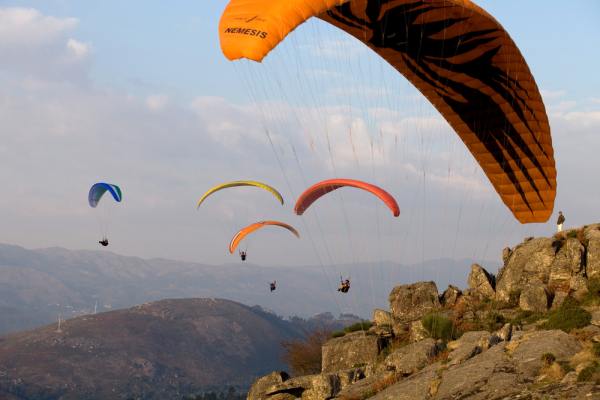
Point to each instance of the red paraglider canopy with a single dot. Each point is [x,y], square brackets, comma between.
[317,190]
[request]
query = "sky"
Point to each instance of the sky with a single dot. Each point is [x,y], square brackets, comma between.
[138,94]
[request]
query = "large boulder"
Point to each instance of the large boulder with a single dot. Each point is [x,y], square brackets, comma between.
[531,260]
[350,351]
[416,387]
[534,297]
[411,358]
[526,350]
[578,286]
[568,262]
[481,282]
[263,385]
[593,259]
[450,296]
[486,376]
[411,302]
[416,331]
[308,387]
[467,346]
[381,317]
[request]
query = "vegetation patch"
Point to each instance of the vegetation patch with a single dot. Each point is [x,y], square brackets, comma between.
[303,356]
[526,317]
[439,327]
[548,358]
[359,326]
[567,317]
[493,321]
[596,349]
[590,373]
[592,298]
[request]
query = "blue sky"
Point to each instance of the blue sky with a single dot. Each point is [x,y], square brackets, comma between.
[139,93]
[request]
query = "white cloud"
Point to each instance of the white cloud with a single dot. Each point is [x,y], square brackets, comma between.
[549,95]
[38,47]
[157,102]
[78,49]
[27,27]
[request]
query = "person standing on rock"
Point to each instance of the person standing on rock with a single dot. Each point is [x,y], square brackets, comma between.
[560,221]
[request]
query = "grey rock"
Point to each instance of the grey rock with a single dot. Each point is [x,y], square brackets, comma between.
[309,387]
[467,346]
[578,286]
[593,258]
[410,358]
[417,331]
[506,252]
[568,262]
[383,331]
[416,387]
[411,302]
[591,232]
[381,317]
[529,261]
[350,351]
[595,318]
[450,296]
[527,350]
[263,384]
[504,334]
[400,329]
[490,375]
[362,388]
[559,298]
[534,297]
[481,282]
[351,376]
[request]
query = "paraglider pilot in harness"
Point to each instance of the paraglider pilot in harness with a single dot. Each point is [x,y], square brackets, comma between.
[104,241]
[344,285]
[243,255]
[273,285]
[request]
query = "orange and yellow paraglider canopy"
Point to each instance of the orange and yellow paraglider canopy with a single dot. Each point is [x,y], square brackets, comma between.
[238,237]
[457,55]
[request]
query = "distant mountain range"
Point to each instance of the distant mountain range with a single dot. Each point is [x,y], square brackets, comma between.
[162,350]
[36,286]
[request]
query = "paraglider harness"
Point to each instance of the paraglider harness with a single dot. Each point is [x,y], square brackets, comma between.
[243,255]
[344,285]
[104,242]
[273,285]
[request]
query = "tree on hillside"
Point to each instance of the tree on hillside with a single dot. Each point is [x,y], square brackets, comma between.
[304,355]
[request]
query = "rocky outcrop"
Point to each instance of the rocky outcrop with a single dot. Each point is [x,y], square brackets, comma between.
[264,384]
[382,317]
[527,349]
[411,302]
[450,296]
[568,262]
[469,345]
[481,282]
[534,297]
[528,261]
[592,260]
[411,358]
[399,359]
[352,350]
[416,331]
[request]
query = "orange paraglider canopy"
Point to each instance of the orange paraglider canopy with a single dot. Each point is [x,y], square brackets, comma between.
[457,55]
[237,238]
[317,190]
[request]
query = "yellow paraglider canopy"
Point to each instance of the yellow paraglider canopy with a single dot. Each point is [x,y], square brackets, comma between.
[261,185]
